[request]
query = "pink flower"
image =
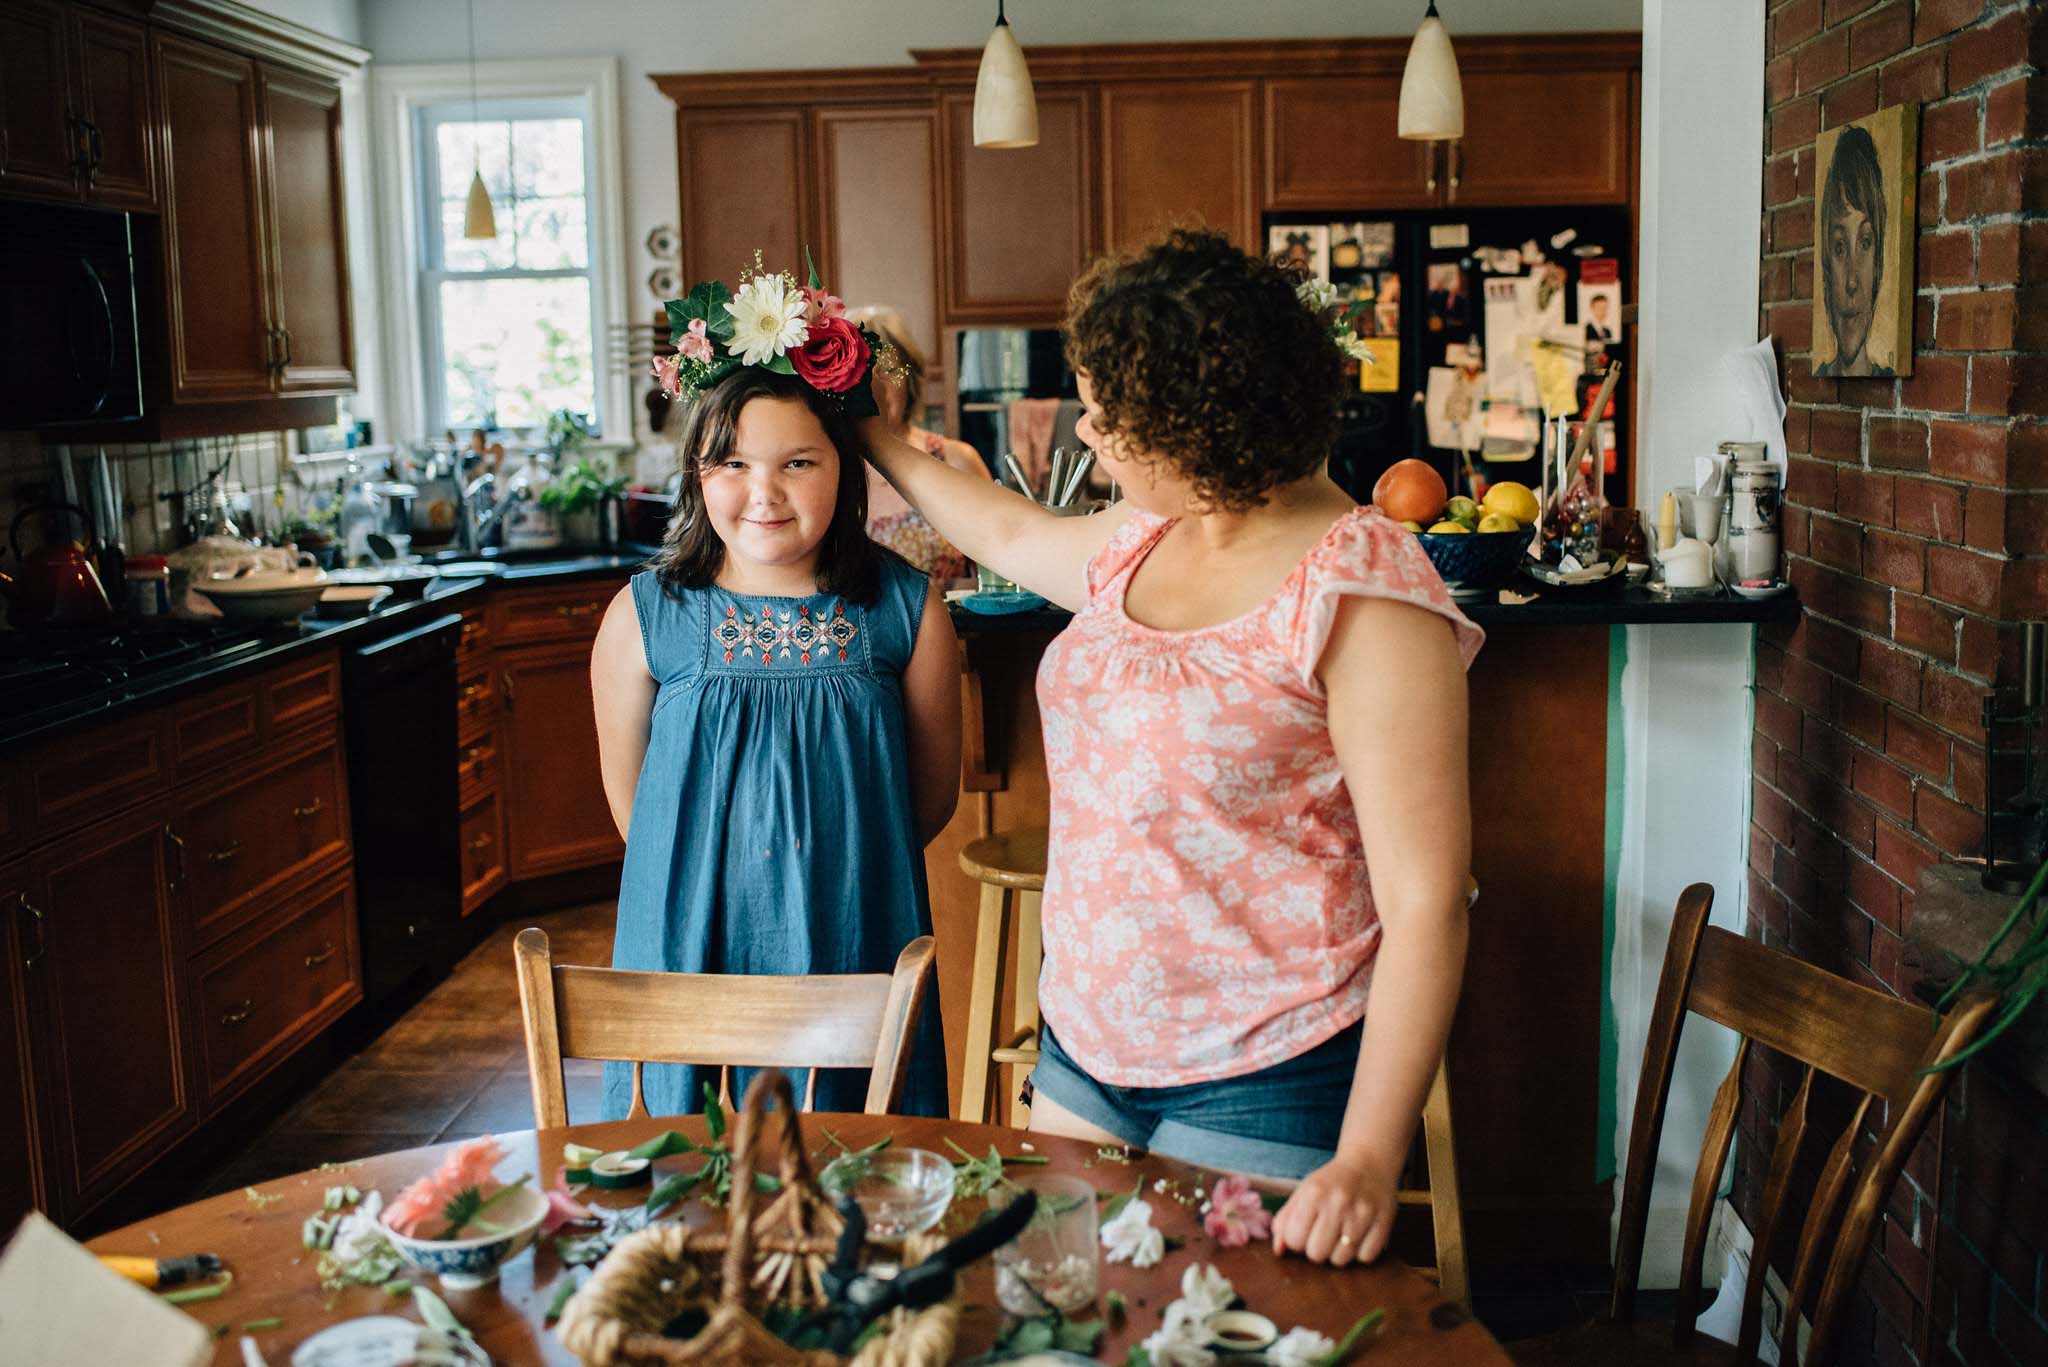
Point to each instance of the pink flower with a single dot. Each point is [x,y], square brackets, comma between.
[833,358]
[820,303]
[469,1166]
[1236,1215]
[696,344]
[563,1207]
[472,1164]
[665,368]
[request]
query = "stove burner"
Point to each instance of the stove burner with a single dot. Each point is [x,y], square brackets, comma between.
[82,669]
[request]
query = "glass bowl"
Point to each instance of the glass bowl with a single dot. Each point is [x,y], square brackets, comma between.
[901,1191]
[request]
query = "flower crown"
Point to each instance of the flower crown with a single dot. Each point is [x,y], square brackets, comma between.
[1321,299]
[775,324]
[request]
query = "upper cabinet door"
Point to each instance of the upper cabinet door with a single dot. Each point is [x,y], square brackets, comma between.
[1543,138]
[113,105]
[1330,144]
[216,263]
[1178,155]
[743,190]
[878,236]
[42,145]
[1019,222]
[308,234]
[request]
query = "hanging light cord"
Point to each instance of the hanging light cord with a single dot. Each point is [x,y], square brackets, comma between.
[1001,21]
[476,138]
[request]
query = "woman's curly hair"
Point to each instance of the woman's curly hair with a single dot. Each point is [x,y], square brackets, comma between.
[1205,356]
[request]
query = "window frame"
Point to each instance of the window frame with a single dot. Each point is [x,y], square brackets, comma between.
[405,98]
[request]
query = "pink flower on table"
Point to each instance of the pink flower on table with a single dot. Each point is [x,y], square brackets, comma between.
[563,1207]
[1236,1215]
[472,1164]
[820,304]
[696,343]
[469,1166]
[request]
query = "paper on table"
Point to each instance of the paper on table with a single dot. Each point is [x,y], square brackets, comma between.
[58,1304]
[1755,372]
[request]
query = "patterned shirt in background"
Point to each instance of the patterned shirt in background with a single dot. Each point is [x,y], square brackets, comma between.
[1207,911]
[903,529]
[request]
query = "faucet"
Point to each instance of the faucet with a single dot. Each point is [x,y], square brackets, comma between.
[477,527]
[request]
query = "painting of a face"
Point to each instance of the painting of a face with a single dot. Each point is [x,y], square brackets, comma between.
[1864,215]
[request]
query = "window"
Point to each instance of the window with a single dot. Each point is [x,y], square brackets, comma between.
[508,326]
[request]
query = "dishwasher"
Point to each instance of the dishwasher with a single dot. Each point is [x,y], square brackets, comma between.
[398,704]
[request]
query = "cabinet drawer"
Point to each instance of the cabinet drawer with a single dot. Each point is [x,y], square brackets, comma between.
[555,614]
[483,851]
[244,838]
[93,775]
[292,697]
[476,700]
[13,834]
[476,766]
[215,728]
[271,988]
[475,640]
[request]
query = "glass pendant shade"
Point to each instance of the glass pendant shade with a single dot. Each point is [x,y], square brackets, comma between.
[1005,107]
[477,219]
[1432,97]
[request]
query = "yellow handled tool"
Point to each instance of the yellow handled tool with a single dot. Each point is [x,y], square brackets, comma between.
[157,1273]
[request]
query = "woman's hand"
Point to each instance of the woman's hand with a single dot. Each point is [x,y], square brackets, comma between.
[1341,1212]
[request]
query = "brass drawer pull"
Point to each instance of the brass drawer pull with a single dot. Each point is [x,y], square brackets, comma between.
[472,754]
[482,842]
[34,914]
[312,808]
[225,852]
[475,689]
[231,1019]
[575,610]
[315,960]
[177,843]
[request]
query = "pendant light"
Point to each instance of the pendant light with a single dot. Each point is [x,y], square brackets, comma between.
[1005,108]
[478,221]
[1432,97]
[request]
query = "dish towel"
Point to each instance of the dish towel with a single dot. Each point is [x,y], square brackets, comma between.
[1031,429]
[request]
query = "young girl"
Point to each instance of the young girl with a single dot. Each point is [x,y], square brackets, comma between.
[779,726]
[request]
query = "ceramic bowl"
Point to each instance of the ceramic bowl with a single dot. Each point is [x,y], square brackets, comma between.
[464,1264]
[265,594]
[1475,559]
[352,600]
[901,1191]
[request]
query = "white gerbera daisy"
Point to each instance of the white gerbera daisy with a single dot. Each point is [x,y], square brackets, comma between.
[767,319]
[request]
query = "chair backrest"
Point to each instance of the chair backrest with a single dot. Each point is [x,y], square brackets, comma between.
[1873,1042]
[855,1020]
[1446,1207]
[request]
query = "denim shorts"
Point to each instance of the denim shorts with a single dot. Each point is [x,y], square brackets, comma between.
[1281,1121]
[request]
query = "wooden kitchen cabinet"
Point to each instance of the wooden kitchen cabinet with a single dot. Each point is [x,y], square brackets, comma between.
[107,1005]
[556,815]
[1179,155]
[1536,138]
[41,142]
[743,190]
[249,832]
[878,214]
[1330,145]
[307,233]
[74,107]
[113,103]
[483,850]
[20,951]
[1019,223]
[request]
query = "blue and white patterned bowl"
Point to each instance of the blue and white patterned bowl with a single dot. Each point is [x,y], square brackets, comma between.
[465,1264]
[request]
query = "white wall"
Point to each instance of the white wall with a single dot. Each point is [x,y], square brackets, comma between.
[1685,692]
[341,19]
[721,35]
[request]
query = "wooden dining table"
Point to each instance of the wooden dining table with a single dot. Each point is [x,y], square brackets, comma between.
[258,1233]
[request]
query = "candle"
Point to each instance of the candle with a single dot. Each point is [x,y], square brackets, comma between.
[1667,522]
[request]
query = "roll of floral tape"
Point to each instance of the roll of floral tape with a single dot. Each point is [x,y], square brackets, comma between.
[1240,1331]
[619,1169]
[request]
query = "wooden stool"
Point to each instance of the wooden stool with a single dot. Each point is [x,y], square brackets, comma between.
[1010,862]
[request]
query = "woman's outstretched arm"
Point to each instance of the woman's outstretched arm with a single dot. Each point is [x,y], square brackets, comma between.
[622,692]
[931,716]
[1400,732]
[992,525]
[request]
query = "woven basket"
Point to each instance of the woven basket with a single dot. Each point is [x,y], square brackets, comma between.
[773,1258]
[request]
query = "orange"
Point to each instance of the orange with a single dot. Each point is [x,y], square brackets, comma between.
[1411,491]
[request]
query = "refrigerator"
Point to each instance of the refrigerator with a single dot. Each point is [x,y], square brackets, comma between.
[1481,322]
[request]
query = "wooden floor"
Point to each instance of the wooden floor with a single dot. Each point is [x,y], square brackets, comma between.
[450,1068]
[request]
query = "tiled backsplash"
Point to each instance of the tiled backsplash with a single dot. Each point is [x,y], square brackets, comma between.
[150,474]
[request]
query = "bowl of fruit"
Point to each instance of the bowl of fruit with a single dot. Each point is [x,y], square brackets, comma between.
[1475,546]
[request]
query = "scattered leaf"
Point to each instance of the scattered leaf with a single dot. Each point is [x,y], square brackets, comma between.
[212,1291]
[258,1326]
[1366,1324]
[436,1313]
[259,1199]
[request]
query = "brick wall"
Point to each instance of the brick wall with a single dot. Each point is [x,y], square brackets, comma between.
[1915,528]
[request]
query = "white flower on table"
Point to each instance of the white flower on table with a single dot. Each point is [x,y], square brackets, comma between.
[1129,1236]
[358,1234]
[1181,1340]
[1204,1291]
[1300,1348]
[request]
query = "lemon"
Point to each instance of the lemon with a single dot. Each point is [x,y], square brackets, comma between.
[1462,509]
[1499,522]
[1446,527]
[1510,499]
[1412,526]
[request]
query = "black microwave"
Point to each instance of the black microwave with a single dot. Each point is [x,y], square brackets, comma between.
[68,334]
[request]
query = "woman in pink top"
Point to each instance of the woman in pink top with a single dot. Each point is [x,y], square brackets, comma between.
[1255,733]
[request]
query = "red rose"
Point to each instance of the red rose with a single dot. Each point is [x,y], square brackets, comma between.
[834,358]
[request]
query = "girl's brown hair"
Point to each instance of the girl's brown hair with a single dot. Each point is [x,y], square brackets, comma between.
[691,554]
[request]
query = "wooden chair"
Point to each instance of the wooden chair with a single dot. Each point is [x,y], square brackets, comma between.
[855,1020]
[1446,1210]
[1010,866]
[1875,1043]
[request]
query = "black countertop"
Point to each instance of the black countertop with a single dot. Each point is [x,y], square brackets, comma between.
[264,649]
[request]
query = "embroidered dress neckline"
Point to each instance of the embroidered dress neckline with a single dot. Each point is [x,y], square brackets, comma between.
[1243,619]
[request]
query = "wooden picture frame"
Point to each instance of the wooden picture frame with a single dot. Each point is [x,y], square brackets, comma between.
[1865,233]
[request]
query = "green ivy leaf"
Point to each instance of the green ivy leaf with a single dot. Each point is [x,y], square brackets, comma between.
[781,364]
[1366,1324]
[714,1114]
[811,269]
[1115,1202]
[662,1145]
[1082,1336]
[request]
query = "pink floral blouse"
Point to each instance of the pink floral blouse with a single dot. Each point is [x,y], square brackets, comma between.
[1206,910]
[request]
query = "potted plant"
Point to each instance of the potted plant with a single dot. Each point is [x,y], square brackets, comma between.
[312,531]
[578,496]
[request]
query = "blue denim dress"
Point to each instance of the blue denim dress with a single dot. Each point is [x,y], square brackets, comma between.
[774,829]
